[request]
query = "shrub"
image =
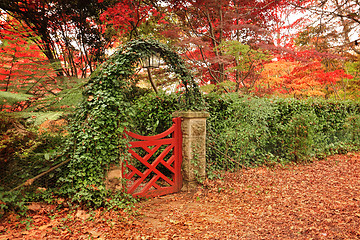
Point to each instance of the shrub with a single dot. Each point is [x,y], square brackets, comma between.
[351,130]
[25,153]
[153,113]
[250,131]
[244,130]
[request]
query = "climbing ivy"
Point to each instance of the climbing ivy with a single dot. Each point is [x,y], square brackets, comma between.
[97,128]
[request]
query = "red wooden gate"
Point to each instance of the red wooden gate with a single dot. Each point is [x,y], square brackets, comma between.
[153,181]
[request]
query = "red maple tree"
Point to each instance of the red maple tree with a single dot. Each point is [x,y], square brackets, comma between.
[203,25]
[23,66]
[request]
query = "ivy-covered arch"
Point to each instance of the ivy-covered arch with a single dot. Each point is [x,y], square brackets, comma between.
[123,63]
[96,139]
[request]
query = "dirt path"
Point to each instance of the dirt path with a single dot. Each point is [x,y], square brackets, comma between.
[320,201]
[315,201]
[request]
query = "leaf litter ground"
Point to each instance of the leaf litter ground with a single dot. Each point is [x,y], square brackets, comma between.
[320,200]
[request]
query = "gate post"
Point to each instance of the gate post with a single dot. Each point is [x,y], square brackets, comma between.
[193,127]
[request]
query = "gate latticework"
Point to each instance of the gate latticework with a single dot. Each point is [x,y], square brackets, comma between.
[156,166]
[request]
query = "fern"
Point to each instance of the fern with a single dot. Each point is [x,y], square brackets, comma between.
[8,98]
[66,100]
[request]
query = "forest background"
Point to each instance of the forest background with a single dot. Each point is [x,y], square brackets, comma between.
[280,78]
[285,48]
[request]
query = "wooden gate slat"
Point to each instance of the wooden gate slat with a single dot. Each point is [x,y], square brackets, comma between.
[146,138]
[155,142]
[148,143]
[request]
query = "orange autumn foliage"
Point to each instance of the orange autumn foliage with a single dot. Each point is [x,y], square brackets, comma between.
[300,79]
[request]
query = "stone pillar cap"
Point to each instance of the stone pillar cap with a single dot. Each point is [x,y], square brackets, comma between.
[191,114]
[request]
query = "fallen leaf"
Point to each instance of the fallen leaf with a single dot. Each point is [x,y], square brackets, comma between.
[34,206]
[82,214]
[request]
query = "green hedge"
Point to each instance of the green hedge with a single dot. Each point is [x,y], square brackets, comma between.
[250,131]
[255,131]
[153,113]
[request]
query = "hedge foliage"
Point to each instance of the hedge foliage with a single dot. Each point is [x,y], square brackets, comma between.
[255,131]
[250,131]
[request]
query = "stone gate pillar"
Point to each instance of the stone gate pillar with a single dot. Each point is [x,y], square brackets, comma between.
[193,127]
